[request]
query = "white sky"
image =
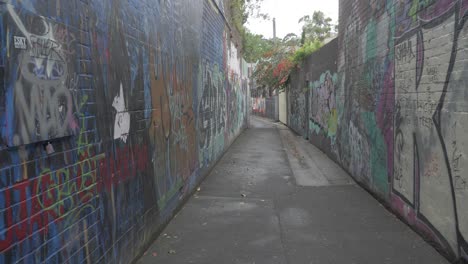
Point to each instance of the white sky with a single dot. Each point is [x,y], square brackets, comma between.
[288,13]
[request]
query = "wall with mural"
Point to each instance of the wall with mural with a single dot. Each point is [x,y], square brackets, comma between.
[404,73]
[395,115]
[111,112]
[313,92]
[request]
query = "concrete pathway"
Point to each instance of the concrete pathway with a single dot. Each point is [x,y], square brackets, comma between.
[274,198]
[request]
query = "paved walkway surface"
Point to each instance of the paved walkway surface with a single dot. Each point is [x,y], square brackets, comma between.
[274,198]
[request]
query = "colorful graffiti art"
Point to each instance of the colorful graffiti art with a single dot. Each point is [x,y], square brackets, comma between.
[111,112]
[428,119]
[314,94]
[323,112]
[405,109]
[399,105]
[44,89]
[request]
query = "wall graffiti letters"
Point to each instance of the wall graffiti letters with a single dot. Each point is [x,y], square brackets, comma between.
[137,104]
[400,100]
[43,88]
[323,113]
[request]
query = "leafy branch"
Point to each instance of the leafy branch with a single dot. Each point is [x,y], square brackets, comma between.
[277,59]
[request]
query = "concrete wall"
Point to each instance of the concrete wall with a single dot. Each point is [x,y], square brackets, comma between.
[283,107]
[400,107]
[297,109]
[266,107]
[312,96]
[111,112]
[258,106]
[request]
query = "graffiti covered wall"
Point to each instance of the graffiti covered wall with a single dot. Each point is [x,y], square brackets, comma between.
[297,108]
[312,97]
[395,114]
[110,113]
[394,110]
[404,75]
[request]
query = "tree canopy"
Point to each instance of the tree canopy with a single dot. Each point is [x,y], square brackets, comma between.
[316,27]
[255,46]
[242,10]
[276,58]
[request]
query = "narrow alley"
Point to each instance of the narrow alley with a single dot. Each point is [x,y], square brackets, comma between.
[273,198]
[234,131]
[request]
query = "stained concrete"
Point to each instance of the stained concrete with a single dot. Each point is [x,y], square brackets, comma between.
[255,208]
[310,166]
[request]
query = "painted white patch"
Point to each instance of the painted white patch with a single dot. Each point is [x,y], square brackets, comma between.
[122,118]
[20,43]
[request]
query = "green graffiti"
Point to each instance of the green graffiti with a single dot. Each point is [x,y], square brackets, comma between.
[211,81]
[313,127]
[378,153]
[332,123]
[213,151]
[371,47]
[323,97]
[392,29]
[240,111]
[67,189]
[417,6]
[162,203]
[82,141]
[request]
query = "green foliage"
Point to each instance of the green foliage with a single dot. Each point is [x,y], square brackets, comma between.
[291,40]
[274,67]
[317,27]
[241,10]
[315,30]
[305,51]
[255,46]
[239,15]
[276,58]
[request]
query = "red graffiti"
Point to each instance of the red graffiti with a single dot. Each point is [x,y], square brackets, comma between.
[34,203]
[31,205]
[126,164]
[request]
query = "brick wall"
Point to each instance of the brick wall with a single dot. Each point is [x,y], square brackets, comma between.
[396,117]
[110,113]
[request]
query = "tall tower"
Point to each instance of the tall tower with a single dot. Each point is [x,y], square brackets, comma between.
[274,28]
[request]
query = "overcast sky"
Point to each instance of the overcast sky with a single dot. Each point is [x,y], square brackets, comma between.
[288,13]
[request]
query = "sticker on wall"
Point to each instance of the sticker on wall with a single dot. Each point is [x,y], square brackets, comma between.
[20,43]
[49,149]
[122,118]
